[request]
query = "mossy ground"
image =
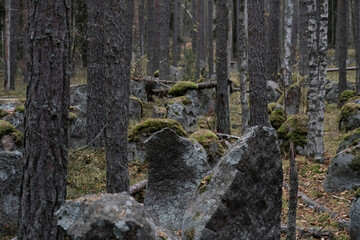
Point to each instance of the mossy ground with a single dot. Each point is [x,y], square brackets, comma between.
[7,128]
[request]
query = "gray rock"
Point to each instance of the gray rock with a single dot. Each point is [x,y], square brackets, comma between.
[78,130]
[135,108]
[201,103]
[137,89]
[350,140]
[78,96]
[9,106]
[243,198]
[109,216]
[344,171]
[349,120]
[159,112]
[176,167]
[272,91]
[136,151]
[183,114]
[292,100]
[10,178]
[176,73]
[355,219]
[332,91]
[16,119]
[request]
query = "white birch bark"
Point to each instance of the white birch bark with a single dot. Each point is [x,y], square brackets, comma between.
[289,13]
[318,27]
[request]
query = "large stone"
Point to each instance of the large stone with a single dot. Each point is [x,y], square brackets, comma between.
[272,91]
[9,106]
[176,167]
[350,140]
[176,73]
[78,96]
[332,91]
[109,216]
[349,117]
[137,89]
[135,108]
[201,103]
[292,100]
[242,199]
[355,219]
[344,171]
[10,178]
[183,114]
[16,119]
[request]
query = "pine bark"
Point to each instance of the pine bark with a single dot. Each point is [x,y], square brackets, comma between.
[288,41]
[210,37]
[11,42]
[164,26]
[117,82]
[241,8]
[43,185]
[317,29]
[230,36]
[176,22]
[150,37]
[194,25]
[293,195]
[200,39]
[222,92]
[142,27]
[258,103]
[303,38]
[273,49]
[357,42]
[156,39]
[96,108]
[342,41]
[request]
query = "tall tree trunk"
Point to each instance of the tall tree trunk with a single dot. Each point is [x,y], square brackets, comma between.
[194,25]
[136,32]
[142,26]
[80,24]
[273,49]
[288,41]
[210,37]
[156,38]
[96,108]
[200,39]
[303,38]
[293,195]
[222,93]
[342,41]
[229,46]
[294,34]
[241,12]
[117,36]
[258,103]
[11,42]
[175,48]
[43,185]
[318,20]
[357,43]
[24,44]
[164,26]
[150,37]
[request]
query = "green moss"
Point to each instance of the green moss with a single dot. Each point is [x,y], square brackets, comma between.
[7,128]
[355,164]
[204,182]
[196,216]
[183,99]
[357,192]
[3,113]
[346,111]
[271,107]
[205,137]
[156,73]
[295,128]
[190,234]
[277,118]
[137,99]
[201,79]
[281,99]
[180,88]
[72,117]
[345,96]
[20,109]
[153,125]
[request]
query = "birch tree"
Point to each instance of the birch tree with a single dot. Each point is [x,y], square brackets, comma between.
[317,29]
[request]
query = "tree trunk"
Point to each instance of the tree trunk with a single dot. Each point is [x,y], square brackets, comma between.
[342,41]
[150,37]
[243,64]
[273,41]
[164,26]
[294,35]
[303,39]
[357,43]
[43,185]
[293,195]
[229,47]
[222,93]
[194,25]
[96,108]
[156,38]
[116,32]
[288,41]
[210,37]
[176,22]
[318,20]
[142,26]
[80,39]
[11,42]
[136,28]
[258,103]
[200,40]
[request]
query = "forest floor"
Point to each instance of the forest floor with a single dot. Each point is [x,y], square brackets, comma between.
[87,168]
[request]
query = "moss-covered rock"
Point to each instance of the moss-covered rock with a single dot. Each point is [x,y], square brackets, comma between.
[295,129]
[272,106]
[7,128]
[351,139]
[153,125]
[3,113]
[156,73]
[349,117]
[277,118]
[345,96]
[211,143]
[20,109]
[204,182]
[182,99]
[72,117]
[180,88]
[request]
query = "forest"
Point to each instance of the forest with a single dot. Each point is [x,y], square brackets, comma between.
[180,119]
